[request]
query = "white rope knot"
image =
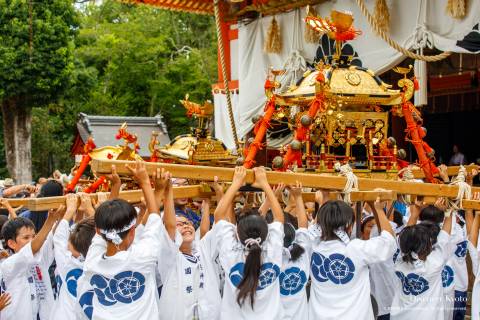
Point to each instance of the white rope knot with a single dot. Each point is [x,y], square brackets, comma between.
[294,67]
[407,176]
[113,234]
[352,180]
[423,38]
[251,241]
[464,189]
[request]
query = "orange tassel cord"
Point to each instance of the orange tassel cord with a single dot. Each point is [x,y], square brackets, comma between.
[89,146]
[414,134]
[94,186]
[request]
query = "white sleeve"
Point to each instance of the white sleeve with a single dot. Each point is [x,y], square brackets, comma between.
[153,235]
[46,255]
[304,239]
[274,241]
[443,245]
[474,256]
[377,249]
[166,253]
[18,263]
[60,243]
[97,248]
[226,236]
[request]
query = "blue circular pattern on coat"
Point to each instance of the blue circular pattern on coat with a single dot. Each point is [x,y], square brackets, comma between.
[413,284]
[461,250]
[86,302]
[71,279]
[292,281]
[269,272]
[125,287]
[236,273]
[447,276]
[339,269]
[317,267]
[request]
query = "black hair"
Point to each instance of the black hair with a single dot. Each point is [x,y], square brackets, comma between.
[10,229]
[433,229]
[461,213]
[251,227]
[365,221]
[296,250]
[82,235]
[3,220]
[113,215]
[333,215]
[244,212]
[51,188]
[397,218]
[432,214]
[269,216]
[415,239]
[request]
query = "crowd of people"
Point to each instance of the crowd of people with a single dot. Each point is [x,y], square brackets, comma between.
[266,257]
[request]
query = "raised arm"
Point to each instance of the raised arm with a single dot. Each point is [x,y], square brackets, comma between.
[226,202]
[262,182]
[296,192]
[379,212]
[12,214]
[205,222]
[415,209]
[169,218]
[474,230]
[141,176]
[160,183]
[116,184]
[71,201]
[41,236]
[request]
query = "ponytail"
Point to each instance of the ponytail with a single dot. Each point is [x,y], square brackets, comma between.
[252,231]
[251,274]
[295,249]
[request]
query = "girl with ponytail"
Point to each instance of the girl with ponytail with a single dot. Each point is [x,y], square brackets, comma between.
[421,272]
[296,261]
[251,255]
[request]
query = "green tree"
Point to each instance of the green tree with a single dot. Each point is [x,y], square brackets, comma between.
[36,43]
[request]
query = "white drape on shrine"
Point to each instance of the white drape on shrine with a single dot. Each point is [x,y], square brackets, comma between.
[413,24]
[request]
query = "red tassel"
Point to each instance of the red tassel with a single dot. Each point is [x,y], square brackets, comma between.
[93,187]
[416,85]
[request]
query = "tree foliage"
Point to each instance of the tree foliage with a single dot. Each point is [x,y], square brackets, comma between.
[35,49]
[127,60]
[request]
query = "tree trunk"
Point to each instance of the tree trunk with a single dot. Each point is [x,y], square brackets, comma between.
[17,135]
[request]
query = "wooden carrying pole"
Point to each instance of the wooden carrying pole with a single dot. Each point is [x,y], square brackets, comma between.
[133,196]
[204,173]
[451,171]
[192,191]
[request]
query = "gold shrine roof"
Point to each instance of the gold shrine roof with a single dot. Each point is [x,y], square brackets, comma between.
[355,85]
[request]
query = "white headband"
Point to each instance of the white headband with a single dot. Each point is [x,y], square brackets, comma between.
[113,236]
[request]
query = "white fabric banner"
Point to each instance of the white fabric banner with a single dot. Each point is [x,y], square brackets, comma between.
[413,24]
[223,129]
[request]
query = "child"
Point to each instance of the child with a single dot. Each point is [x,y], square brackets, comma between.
[251,255]
[119,274]
[459,265]
[420,294]
[295,269]
[473,250]
[190,285]
[25,272]
[70,252]
[339,267]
